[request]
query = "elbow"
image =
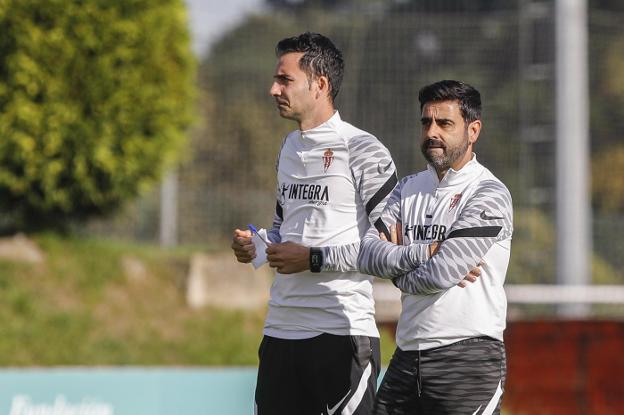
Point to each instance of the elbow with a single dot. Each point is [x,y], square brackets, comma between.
[362,266]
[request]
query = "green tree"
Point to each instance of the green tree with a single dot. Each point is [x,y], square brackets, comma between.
[95,100]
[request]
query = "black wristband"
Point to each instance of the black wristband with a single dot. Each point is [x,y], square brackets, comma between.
[316,259]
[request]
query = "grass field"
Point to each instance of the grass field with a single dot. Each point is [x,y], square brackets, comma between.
[100,302]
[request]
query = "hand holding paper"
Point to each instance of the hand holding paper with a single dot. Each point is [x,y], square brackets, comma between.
[261,242]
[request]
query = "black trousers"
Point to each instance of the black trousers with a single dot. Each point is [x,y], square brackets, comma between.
[466,377]
[326,375]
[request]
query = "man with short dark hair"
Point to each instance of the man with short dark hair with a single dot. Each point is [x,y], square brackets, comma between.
[447,220]
[320,351]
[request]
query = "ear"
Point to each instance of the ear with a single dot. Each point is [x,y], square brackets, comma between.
[323,86]
[474,128]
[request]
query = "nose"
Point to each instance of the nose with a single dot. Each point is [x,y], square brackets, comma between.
[431,130]
[275,89]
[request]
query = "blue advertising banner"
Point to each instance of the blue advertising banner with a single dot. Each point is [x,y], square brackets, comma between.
[127,391]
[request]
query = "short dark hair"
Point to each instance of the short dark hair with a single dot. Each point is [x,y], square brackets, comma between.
[320,58]
[447,90]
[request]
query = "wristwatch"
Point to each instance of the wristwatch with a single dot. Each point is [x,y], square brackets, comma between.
[316,259]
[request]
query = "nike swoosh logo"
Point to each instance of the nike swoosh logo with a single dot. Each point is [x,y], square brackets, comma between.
[335,407]
[382,170]
[485,216]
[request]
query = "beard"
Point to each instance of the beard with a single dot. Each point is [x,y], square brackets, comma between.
[449,155]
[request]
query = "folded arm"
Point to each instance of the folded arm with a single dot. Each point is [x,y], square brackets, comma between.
[385,259]
[485,220]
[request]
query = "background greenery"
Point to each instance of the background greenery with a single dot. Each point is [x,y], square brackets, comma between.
[82,308]
[95,100]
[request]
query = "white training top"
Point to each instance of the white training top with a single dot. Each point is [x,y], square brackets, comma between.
[471,211]
[333,182]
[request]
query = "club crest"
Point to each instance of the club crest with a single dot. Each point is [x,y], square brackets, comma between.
[328,158]
[455,200]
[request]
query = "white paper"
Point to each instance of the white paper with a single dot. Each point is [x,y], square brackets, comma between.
[261,247]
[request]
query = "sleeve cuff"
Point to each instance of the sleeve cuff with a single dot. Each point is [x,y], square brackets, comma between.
[419,253]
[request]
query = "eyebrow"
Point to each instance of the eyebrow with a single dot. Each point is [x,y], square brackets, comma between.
[282,77]
[438,119]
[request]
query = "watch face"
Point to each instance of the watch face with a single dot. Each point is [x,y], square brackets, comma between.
[316,260]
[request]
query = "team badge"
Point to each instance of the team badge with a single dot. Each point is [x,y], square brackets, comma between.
[328,157]
[455,200]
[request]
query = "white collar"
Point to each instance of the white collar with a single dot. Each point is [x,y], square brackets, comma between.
[322,132]
[454,177]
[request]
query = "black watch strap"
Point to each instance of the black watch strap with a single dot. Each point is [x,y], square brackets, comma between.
[316,259]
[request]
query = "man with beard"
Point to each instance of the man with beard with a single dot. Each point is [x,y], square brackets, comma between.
[445,221]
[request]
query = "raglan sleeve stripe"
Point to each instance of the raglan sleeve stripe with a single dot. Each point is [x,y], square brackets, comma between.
[374,176]
[382,228]
[373,171]
[381,194]
[279,212]
[476,232]
[274,233]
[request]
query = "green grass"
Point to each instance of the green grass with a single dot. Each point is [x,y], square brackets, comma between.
[80,308]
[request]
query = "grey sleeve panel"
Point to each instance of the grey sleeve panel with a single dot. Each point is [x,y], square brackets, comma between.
[374,173]
[374,176]
[341,258]
[487,218]
[385,259]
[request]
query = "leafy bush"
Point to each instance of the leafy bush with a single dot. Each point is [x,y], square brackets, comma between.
[95,100]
